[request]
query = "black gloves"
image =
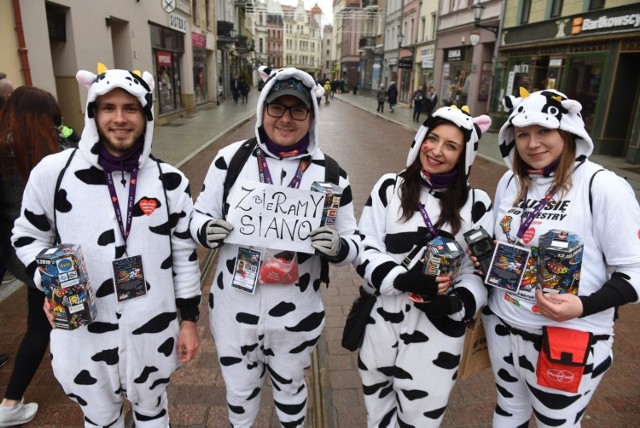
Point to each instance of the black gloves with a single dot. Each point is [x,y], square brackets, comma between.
[440,306]
[417,282]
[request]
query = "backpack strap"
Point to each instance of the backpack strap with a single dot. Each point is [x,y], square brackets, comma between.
[590,185]
[332,175]
[55,197]
[235,166]
[331,170]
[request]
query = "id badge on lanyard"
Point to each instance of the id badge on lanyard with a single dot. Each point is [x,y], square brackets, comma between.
[128,273]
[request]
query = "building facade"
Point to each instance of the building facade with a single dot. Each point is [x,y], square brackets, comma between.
[588,50]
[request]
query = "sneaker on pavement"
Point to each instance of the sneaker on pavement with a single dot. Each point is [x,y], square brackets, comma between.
[18,415]
[3,359]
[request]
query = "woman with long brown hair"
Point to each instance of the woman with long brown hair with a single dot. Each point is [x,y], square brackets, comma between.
[412,346]
[29,124]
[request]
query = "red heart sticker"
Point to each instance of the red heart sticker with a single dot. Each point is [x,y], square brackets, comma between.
[147,206]
[528,235]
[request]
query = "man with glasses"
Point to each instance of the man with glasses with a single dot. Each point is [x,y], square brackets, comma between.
[272,328]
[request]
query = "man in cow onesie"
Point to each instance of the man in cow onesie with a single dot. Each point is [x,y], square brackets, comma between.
[411,351]
[123,206]
[275,327]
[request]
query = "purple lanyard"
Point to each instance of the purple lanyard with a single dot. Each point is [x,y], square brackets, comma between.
[427,220]
[265,175]
[130,202]
[524,225]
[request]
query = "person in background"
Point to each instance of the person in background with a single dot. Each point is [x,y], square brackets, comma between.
[5,90]
[236,86]
[418,99]
[244,91]
[130,215]
[28,132]
[327,91]
[552,185]
[411,351]
[392,96]
[381,95]
[274,327]
[431,101]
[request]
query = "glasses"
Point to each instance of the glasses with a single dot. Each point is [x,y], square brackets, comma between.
[296,113]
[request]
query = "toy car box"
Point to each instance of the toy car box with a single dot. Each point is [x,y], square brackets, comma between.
[559,262]
[66,284]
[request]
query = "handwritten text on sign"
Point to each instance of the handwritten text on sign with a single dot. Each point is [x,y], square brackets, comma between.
[269,216]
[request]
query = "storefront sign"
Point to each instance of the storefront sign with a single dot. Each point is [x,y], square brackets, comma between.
[605,22]
[455,54]
[555,62]
[406,63]
[427,55]
[177,22]
[198,40]
[163,59]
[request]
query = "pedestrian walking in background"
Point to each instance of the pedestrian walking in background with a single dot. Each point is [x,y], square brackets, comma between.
[236,86]
[273,324]
[327,92]
[381,95]
[553,186]
[28,132]
[392,96]
[244,91]
[420,341]
[120,205]
[418,99]
[431,101]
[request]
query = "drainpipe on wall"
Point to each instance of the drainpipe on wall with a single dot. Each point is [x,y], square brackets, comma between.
[22,48]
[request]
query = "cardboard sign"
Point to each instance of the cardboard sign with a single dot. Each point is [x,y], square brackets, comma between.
[268,216]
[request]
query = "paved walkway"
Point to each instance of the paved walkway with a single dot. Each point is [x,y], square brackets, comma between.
[336,397]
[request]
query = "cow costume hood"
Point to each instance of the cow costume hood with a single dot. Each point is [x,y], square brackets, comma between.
[548,108]
[471,127]
[305,89]
[140,85]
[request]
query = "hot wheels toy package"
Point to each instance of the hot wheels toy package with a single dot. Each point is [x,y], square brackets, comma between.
[66,284]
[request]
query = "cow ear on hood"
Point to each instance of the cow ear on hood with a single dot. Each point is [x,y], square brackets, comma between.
[85,78]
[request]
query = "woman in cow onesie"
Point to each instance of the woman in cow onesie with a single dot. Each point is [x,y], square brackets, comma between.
[273,329]
[134,345]
[411,351]
[553,185]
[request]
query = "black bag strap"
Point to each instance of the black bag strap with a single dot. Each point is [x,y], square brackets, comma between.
[235,166]
[55,197]
[332,175]
[590,185]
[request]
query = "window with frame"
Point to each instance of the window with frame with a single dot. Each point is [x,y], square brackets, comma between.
[525,12]
[596,4]
[556,8]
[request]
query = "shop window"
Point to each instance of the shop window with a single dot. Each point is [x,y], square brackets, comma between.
[583,85]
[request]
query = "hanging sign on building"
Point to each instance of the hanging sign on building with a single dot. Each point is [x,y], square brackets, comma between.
[198,40]
[163,58]
[406,63]
[454,54]
[177,22]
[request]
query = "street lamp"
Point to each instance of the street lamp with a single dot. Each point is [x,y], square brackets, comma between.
[478,10]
